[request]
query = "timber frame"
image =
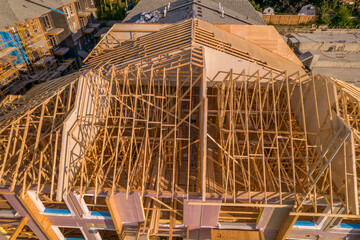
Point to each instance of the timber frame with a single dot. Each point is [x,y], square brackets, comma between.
[154,121]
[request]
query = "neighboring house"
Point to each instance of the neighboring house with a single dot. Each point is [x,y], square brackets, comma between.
[52,41]
[239,12]
[269,11]
[308,9]
[333,52]
[348,2]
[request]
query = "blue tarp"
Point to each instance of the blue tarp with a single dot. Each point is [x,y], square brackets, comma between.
[304,224]
[350,225]
[8,40]
[100,214]
[56,211]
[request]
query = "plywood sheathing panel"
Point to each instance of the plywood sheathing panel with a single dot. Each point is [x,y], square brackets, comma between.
[75,137]
[333,143]
[129,208]
[197,216]
[252,49]
[266,37]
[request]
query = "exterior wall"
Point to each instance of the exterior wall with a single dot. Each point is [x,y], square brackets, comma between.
[60,21]
[88,3]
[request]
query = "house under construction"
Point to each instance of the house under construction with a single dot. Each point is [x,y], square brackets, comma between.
[186,131]
[42,40]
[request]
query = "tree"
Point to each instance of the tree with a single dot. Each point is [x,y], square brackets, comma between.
[256,6]
[324,20]
[342,17]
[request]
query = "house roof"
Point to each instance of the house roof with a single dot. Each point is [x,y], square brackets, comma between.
[204,34]
[308,9]
[235,11]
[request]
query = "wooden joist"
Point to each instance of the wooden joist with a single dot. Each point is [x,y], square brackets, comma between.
[19,228]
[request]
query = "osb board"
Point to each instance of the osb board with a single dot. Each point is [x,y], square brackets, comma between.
[236,235]
[254,50]
[265,36]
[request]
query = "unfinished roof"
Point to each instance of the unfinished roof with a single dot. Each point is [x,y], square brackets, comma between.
[235,11]
[14,11]
[181,129]
[180,35]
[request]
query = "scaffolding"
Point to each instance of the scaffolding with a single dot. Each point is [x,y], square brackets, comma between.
[33,39]
[12,58]
[38,63]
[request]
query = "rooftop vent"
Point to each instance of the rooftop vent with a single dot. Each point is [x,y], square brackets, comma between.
[149,17]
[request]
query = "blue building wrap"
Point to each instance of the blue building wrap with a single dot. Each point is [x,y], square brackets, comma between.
[8,40]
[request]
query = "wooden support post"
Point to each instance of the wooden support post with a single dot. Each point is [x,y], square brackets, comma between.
[203,133]
[19,228]
[21,153]
[39,218]
[110,202]
[286,227]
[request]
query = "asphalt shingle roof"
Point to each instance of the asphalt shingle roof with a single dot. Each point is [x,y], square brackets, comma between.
[236,11]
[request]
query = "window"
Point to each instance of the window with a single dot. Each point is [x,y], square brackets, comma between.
[69,11]
[36,28]
[53,41]
[86,4]
[66,11]
[77,6]
[82,22]
[47,23]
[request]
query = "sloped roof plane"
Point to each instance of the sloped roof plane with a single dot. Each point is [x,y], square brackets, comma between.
[190,32]
[235,11]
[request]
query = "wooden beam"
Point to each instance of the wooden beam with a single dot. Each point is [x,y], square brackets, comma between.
[41,220]
[19,228]
[110,202]
[203,133]
[286,227]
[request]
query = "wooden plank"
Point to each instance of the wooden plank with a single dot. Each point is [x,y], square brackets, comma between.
[19,228]
[286,227]
[203,132]
[41,220]
[114,212]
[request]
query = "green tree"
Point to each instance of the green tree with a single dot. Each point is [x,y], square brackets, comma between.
[342,17]
[256,6]
[323,19]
